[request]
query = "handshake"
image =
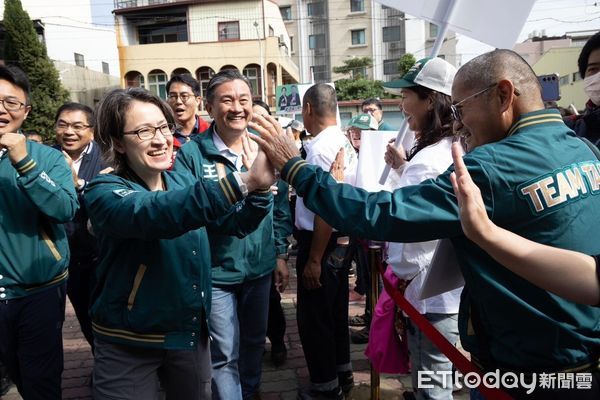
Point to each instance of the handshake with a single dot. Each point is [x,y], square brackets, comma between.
[276,148]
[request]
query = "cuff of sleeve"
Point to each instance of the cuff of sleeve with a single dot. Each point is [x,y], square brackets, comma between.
[25,165]
[291,168]
[282,252]
[230,185]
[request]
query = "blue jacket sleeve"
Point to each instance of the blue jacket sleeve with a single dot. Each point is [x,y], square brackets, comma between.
[121,210]
[282,218]
[416,213]
[47,180]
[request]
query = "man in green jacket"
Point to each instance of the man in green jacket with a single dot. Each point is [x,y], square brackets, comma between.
[241,267]
[537,179]
[36,197]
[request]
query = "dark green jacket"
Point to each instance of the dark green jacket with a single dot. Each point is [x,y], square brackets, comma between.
[36,197]
[384,126]
[154,285]
[236,260]
[540,182]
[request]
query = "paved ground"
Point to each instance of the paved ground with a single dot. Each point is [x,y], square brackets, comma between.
[277,383]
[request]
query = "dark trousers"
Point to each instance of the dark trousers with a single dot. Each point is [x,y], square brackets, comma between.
[31,342]
[276,322]
[323,315]
[133,373]
[79,290]
[358,253]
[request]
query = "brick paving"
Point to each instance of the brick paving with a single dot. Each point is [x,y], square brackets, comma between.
[277,383]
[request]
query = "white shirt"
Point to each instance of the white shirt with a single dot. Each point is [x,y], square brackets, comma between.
[87,150]
[235,158]
[321,151]
[411,260]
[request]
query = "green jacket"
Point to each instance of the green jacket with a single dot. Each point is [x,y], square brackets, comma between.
[235,260]
[540,182]
[36,197]
[153,280]
[384,126]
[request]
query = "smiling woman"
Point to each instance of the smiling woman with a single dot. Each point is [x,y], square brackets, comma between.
[153,273]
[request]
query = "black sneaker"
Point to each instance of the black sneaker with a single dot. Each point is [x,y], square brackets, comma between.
[346,381]
[309,394]
[278,354]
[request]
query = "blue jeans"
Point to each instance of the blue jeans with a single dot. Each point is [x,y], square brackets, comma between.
[425,356]
[238,327]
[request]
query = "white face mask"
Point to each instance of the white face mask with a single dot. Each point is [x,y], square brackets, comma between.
[591,86]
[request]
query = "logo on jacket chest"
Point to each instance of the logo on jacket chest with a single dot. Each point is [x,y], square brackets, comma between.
[213,171]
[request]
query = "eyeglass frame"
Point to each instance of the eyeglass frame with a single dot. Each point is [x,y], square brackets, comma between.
[66,128]
[174,96]
[21,104]
[455,111]
[171,126]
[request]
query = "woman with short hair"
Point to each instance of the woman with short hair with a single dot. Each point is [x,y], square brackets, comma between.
[152,298]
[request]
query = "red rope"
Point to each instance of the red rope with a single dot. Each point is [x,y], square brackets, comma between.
[456,357]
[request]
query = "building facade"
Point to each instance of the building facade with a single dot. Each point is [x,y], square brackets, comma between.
[558,55]
[159,38]
[325,33]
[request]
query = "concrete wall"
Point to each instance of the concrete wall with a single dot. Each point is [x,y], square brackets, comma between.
[85,85]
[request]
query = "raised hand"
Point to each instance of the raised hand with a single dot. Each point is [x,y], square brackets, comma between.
[73,172]
[337,166]
[250,151]
[473,216]
[394,156]
[278,146]
[261,174]
[15,143]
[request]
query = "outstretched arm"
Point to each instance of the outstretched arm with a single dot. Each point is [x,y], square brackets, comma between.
[566,273]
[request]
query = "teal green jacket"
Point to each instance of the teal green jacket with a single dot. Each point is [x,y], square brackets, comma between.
[540,182]
[153,276]
[235,260]
[384,126]
[36,197]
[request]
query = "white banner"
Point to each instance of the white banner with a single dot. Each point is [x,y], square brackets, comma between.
[497,23]
[371,162]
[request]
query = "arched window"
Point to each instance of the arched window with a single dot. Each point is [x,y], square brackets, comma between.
[157,83]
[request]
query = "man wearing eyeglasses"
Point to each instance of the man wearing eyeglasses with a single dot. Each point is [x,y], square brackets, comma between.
[183,95]
[74,127]
[36,198]
[373,106]
[536,178]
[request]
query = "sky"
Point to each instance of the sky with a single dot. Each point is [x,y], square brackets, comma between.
[556,17]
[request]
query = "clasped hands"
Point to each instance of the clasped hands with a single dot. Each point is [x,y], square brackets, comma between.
[276,148]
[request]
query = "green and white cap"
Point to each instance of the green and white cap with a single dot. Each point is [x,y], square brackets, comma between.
[433,73]
[365,122]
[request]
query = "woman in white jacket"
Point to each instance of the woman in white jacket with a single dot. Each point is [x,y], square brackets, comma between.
[425,91]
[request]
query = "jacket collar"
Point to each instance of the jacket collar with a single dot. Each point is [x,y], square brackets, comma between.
[535,118]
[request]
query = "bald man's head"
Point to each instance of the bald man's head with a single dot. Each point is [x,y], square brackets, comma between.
[491,92]
[492,67]
[322,99]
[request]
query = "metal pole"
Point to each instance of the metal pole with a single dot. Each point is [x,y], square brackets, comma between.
[374,262]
